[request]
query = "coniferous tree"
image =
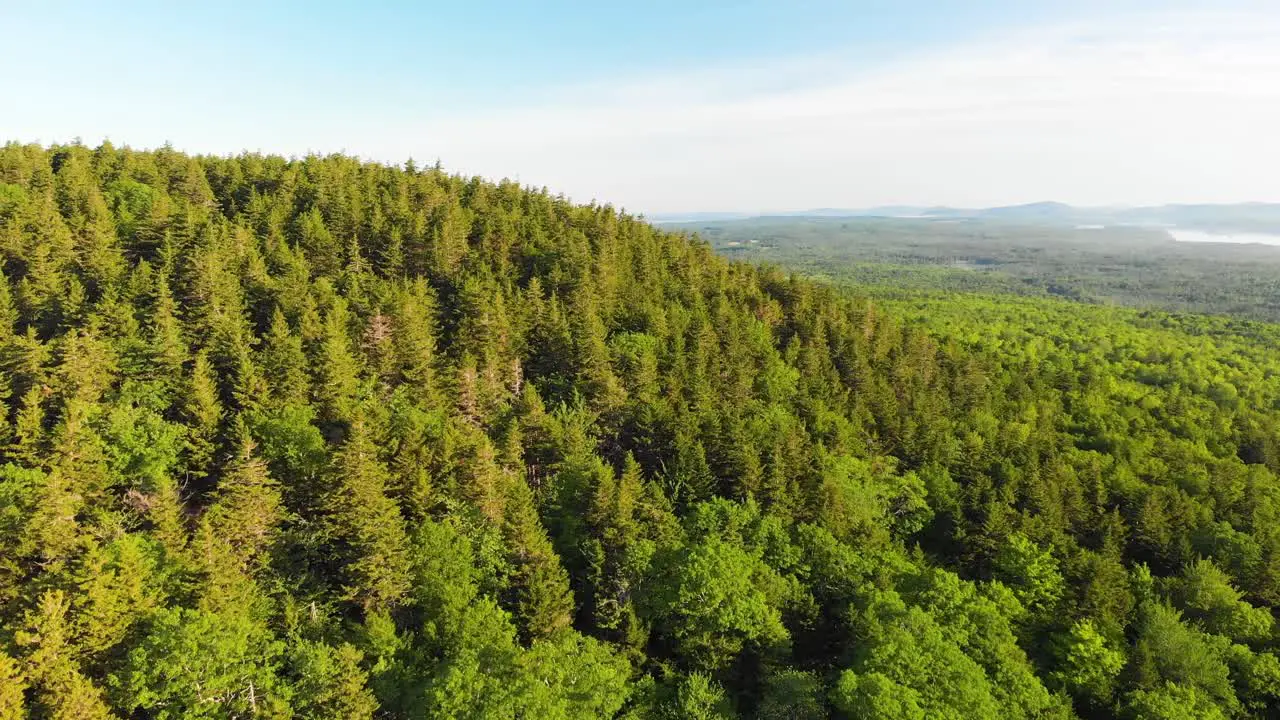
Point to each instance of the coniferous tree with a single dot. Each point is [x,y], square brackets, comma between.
[247,510]
[366,529]
[542,602]
[61,690]
[27,447]
[202,412]
[13,685]
[337,376]
[284,363]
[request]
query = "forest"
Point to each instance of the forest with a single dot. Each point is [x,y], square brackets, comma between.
[1121,265]
[324,438]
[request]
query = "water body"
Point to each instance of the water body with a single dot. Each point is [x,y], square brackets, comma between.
[1212,237]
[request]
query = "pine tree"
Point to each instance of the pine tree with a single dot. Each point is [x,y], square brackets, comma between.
[78,478]
[313,236]
[27,447]
[480,481]
[86,368]
[612,516]
[202,412]
[337,375]
[249,389]
[391,260]
[13,684]
[117,587]
[24,361]
[591,353]
[542,602]
[247,510]
[332,682]
[413,332]
[62,692]
[366,529]
[8,312]
[450,227]
[284,362]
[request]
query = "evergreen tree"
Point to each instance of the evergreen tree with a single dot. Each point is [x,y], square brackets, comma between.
[202,412]
[61,690]
[247,511]
[284,363]
[337,377]
[543,605]
[366,529]
[12,687]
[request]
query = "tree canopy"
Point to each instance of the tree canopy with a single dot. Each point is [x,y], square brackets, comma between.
[316,437]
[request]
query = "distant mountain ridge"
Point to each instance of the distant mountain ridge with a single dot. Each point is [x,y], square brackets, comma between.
[1234,217]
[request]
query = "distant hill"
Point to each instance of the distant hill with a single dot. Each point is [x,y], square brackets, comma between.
[1249,217]
[1237,217]
[668,218]
[1033,211]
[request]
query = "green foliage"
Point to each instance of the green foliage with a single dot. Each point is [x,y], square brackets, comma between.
[320,438]
[695,697]
[119,584]
[365,530]
[792,695]
[1031,572]
[484,673]
[875,697]
[194,663]
[951,655]
[1169,653]
[707,599]
[1088,666]
[1205,595]
[331,681]
[860,501]
[62,691]
[12,686]
[1174,702]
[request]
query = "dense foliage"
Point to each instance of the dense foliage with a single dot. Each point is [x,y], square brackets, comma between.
[326,439]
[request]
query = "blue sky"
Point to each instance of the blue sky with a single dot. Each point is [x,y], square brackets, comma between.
[682,106]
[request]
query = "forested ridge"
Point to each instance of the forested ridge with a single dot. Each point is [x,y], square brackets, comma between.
[320,438]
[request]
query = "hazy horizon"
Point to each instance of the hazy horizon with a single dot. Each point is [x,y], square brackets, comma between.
[841,210]
[693,107]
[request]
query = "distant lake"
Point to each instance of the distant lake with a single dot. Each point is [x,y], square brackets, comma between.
[1202,236]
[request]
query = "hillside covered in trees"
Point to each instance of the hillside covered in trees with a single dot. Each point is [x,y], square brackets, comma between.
[320,438]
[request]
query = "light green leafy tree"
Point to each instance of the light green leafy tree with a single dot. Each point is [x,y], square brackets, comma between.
[704,597]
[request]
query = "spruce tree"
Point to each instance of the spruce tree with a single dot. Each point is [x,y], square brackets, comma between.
[337,373]
[202,413]
[365,527]
[247,509]
[284,363]
[61,691]
[542,602]
[13,685]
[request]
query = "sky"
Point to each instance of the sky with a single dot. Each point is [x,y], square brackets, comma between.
[675,107]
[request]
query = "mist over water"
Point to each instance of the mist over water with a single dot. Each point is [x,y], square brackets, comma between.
[1236,238]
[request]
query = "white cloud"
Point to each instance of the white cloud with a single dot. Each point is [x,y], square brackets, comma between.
[1146,109]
